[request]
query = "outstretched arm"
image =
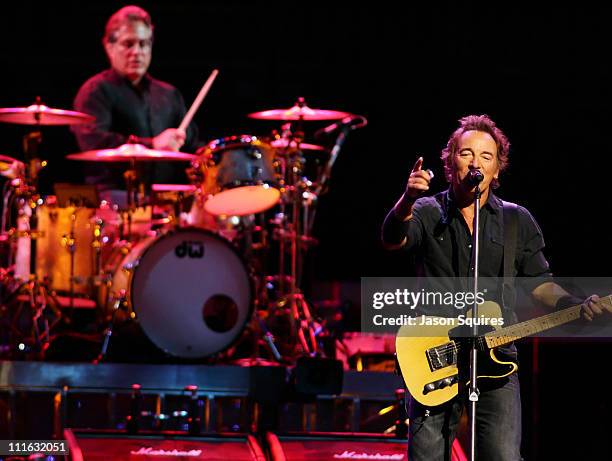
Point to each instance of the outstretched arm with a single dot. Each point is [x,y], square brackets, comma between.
[554,296]
[395,226]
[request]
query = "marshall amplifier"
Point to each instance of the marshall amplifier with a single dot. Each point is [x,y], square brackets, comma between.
[115,446]
[343,446]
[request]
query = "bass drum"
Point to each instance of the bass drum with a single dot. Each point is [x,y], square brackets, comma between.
[190,290]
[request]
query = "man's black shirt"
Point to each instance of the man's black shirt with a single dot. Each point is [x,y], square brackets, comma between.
[123,110]
[441,241]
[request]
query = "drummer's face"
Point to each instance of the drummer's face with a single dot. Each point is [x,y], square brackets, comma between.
[130,53]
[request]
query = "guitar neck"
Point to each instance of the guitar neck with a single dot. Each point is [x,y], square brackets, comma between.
[531,327]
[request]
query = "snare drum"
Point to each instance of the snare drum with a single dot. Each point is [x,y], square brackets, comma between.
[190,290]
[239,177]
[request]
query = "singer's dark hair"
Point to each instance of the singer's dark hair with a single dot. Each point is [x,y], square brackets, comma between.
[476,123]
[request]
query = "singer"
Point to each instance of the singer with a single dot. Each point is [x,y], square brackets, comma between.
[437,231]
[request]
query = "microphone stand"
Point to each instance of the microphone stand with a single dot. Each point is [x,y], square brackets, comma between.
[344,131]
[473,392]
[325,175]
[322,180]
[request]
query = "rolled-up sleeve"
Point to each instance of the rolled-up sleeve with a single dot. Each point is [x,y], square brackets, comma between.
[533,267]
[394,231]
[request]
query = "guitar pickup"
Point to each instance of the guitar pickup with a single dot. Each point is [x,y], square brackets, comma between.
[440,384]
[442,356]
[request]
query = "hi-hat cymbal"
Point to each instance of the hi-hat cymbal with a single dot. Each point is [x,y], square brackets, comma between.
[131,152]
[184,188]
[10,167]
[299,112]
[282,144]
[39,114]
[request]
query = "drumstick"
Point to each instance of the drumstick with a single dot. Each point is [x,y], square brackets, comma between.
[198,100]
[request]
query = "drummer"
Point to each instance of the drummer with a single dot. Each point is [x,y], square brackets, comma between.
[131,106]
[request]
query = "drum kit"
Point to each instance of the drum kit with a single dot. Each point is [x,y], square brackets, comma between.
[196,265]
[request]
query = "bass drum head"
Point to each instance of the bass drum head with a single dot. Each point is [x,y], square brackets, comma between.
[192,293]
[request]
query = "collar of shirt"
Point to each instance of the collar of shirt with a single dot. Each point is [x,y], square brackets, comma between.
[449,209]
[142,86]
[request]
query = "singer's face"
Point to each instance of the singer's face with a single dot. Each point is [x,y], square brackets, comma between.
[477,151]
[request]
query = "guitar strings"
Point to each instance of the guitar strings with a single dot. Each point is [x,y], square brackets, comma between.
[455,347]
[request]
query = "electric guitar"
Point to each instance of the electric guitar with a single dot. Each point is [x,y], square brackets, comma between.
[434,367]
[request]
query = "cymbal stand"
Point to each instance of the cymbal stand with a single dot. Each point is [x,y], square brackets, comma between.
[292,230]
[301,195]
[30,292]
[7,198]
[119,300]
[130,177]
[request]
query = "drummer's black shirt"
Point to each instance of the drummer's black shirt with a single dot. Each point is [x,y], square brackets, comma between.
[122,109]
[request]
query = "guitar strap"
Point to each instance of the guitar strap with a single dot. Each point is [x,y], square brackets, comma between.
[510,218]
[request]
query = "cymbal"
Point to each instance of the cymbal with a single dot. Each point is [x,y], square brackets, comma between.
[7,159]
[299,112]
[129,152]
[282,144]
[39,114]
[173,188]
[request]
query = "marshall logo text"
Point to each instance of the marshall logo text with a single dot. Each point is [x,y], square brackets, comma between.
[373,456]
[150,451]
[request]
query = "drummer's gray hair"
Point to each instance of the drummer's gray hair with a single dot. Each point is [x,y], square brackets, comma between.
[130,13]
[476,123]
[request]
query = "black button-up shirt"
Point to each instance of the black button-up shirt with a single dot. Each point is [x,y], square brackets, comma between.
[441,242]
[122,109]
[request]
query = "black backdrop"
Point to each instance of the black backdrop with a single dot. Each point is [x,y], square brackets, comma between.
[542,74]
[413,71]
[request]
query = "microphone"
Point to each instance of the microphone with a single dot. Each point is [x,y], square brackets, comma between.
[347,121]
[474,177]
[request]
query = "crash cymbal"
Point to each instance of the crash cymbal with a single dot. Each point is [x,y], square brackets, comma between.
[129,152]
[7,159]
[39,114]
[299,112]
[282,144]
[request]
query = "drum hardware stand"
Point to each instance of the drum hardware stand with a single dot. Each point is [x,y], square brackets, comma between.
[301,194]
[294,230]
[40,301]
[130,177]
[179,209]
[352,123]
[40,298]
[96,244]
[119,302]
[70,243]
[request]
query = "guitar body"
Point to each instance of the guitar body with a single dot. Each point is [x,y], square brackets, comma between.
[433,368]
